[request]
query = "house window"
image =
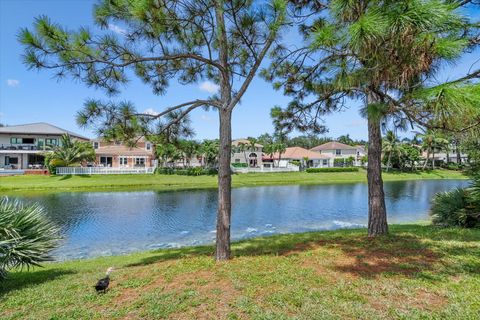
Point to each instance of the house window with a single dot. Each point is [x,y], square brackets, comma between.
[237,160]
[140,162]
[338,152]
[95,145]
[11,160]
[15,140]
[51,142]
[148,146]
[40,143]
[123,161]
[28,140]
[325,162]
[106,161]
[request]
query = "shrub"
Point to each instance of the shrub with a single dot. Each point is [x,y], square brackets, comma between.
[194,171]
[455,208]
[26,236]
[317,170]
[296,162]
[239,165]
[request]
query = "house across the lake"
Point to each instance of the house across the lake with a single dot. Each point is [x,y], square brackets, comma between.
[306,157]
[23,146]
[119,155]
[246,153]
[341,152]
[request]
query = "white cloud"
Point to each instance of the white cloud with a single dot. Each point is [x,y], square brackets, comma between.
[151,112]
[12,82]
[116,29]
[205,117]
[209,86]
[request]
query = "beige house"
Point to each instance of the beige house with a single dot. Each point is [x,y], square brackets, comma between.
[118,155]
[306,157]
[336,150]
[244,152]
[23,146]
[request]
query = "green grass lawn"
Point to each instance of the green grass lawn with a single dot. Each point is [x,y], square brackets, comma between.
[178,182]
[418,272]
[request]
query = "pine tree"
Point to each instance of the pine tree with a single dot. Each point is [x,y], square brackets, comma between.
[164,40]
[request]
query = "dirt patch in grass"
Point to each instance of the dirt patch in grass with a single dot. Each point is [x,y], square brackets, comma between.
[216,293]
[420,299]
[369,258]
[371,263]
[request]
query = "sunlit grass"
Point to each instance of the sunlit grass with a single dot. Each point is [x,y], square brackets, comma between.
[418,272]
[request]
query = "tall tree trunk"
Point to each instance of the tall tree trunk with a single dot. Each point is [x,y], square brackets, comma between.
[433,158]
[377,213]
[224,186]
[457,150]
[389,160]
[426,160]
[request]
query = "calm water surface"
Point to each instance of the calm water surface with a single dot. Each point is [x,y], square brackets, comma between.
[110,223]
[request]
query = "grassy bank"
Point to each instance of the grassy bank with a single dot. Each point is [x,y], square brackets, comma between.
[177,182]
[416,272]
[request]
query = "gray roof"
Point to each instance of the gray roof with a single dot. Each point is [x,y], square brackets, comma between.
[39,128]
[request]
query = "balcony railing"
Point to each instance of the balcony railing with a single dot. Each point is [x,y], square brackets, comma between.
[103,170]
[20,147]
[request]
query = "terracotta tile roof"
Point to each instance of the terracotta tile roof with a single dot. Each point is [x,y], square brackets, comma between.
[333,145]
[298,153]
[122,151]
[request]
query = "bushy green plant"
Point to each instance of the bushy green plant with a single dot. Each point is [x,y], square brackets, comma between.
[296,162]
[195,171]
[455,208]
[318,170]
[52,164]
[27,236]
[239,165]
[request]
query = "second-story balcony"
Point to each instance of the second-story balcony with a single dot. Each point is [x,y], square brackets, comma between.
[23,147]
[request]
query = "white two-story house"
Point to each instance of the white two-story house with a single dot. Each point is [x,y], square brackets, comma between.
[336,150]
[24,146]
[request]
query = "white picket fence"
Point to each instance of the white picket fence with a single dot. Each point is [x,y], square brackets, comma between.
[262,169]
[103,170]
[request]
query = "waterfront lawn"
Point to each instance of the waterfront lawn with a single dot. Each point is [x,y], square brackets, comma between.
[418,272]
[179,182]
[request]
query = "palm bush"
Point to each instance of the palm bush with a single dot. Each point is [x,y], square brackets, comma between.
[456,208]
[27,236]
[69,152]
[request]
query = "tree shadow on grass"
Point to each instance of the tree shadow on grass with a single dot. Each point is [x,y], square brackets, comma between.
[65,177]
[25,279]
[412,251]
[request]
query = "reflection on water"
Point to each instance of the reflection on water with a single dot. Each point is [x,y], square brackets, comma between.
[106,223]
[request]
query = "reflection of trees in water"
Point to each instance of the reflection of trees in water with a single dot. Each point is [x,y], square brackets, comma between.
[397,190]
[67,210]
[184,211]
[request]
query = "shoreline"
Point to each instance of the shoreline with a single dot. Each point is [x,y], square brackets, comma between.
[156,182]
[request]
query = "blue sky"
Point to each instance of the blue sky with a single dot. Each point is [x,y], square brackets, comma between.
[31,96]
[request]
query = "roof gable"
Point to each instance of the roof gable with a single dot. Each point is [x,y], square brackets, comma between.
[299,153]
[333,145]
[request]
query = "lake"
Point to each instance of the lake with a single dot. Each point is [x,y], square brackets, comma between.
[112,223]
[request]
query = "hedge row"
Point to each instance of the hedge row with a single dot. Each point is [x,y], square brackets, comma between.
[197,171]
[315,170]
[239,165]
